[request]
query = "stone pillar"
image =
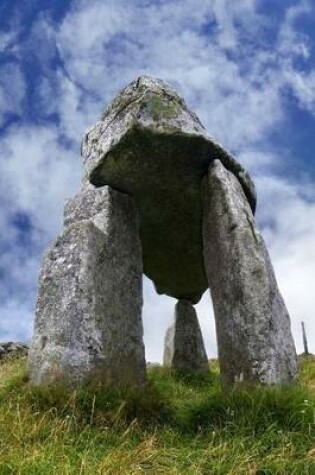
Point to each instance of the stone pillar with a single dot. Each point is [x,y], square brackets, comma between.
[252,322]
[183,346]
[88,318]
[169,346]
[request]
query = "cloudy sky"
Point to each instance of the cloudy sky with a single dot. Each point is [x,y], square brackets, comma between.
[247,67]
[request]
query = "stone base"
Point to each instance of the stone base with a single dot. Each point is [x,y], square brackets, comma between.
[88,318]
[253,326]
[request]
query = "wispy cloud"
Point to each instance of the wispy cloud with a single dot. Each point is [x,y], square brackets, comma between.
[12,90]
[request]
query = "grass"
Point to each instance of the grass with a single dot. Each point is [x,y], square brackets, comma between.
[181,424]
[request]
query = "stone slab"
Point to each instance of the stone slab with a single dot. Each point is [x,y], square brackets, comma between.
[150,145]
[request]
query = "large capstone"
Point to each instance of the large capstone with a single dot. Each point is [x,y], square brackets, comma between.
[150,145]
[88,318]
[253,326]
[184,348]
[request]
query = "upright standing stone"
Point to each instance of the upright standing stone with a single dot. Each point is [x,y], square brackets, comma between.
[183,347]
[253,325]
[88,317]
[169,346]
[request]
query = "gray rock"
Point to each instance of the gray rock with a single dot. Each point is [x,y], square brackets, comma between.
[253,325]
[150,145]
[184,349]
[11,350]
[90,203]
[169,346]
[88,318]
[11,347]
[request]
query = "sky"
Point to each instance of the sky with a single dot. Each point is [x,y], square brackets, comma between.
[246,67]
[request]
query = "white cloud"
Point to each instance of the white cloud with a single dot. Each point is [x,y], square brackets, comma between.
[41,43]
[105,45]
[230,12]
[6,40]
[36,174]
[292,41]
[290,209]
[303,86]
[16,321]
[83,41]
[294,45]
[12,90]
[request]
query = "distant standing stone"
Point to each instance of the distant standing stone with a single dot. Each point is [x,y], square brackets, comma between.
[184,348]
[253,325]
[169,346]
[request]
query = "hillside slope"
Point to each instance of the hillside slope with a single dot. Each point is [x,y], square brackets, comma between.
[180,425]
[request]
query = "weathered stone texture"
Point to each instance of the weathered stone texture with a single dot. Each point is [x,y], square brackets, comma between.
[88,317]
[151,146]
[253,325]
[90,203]
[183,346]
[169,346]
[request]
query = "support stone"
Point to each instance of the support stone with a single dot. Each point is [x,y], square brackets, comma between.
[183,347]
[252,322]
[169,346]
[88,318]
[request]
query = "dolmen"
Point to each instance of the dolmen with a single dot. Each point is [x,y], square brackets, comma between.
[159,196]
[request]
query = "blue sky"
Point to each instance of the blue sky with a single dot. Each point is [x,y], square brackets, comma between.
[247,67]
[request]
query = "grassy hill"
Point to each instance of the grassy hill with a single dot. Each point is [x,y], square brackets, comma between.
[179,425]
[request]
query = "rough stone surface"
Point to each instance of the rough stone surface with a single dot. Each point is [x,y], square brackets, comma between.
[184,349]
[169,346]
[150,145]
[88,317]
[253,325]
[91,203]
